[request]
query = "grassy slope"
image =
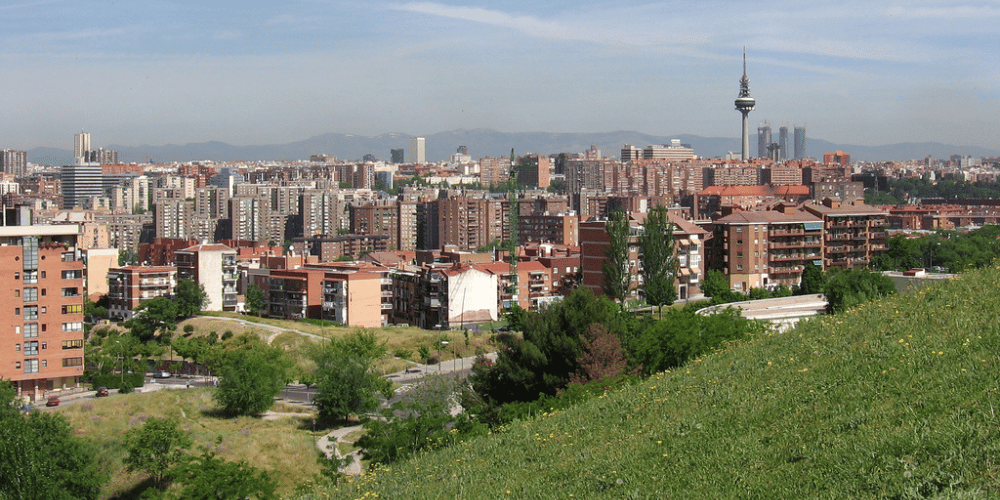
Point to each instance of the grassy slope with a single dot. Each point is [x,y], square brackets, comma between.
[285,446]
[895,399]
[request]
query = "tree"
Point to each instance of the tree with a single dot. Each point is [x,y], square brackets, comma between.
[715,284]
[191,297]
[812,281]
[685,335]
[155,447]
[254,300]
[541,361]
[158,315]
[420,420]
[208,477]
[347,385]
[617,275]
[847,288]
[40,458]
[603,356]
[251,374]
[659,265]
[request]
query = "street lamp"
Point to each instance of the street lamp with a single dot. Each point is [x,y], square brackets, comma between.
[441,344]
[121,356]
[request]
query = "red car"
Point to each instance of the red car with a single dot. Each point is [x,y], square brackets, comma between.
[53,401]
[101,392]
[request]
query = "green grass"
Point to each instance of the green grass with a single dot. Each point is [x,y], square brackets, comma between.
[895,399]
[284,446]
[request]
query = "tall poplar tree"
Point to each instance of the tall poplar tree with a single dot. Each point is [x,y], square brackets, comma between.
[617,274]
[659,265]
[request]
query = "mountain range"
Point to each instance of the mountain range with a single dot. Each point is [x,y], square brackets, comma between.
[486,142]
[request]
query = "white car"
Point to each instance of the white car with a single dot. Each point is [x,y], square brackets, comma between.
[162,374]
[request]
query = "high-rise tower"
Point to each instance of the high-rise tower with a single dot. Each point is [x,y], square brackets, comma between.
[418,150]
[800,142]
[783,143]
[81,147]
[745,104]
[763,140]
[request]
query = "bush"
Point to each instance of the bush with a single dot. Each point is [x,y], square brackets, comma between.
[125,388]
[114,381]
[402,353]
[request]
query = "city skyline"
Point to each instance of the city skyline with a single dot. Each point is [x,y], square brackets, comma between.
[183,72]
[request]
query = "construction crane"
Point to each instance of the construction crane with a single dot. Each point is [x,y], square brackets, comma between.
[512,221]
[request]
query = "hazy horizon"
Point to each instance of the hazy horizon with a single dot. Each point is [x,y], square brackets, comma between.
[178,72]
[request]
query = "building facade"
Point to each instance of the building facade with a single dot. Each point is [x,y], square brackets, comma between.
[41,327]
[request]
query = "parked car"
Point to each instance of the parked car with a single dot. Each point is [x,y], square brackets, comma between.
[162,374]
[102,392]
[53,401]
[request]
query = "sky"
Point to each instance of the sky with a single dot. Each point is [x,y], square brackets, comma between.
[157,72]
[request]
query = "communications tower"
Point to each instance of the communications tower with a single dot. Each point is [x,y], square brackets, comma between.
[745,104]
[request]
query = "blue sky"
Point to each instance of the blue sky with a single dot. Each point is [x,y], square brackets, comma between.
[264,72]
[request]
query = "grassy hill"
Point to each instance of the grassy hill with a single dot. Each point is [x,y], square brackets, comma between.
[896,399]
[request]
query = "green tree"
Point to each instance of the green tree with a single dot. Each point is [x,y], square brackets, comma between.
[813,280]
[191,298]
[715,284]
[617,274]
[41,458]
[251,374]
[208,477]
[685,335]
[158,315]
[656,252]
[421,420]
[848,288]
[541,361]
[254,300]
[155,447]
[347,385]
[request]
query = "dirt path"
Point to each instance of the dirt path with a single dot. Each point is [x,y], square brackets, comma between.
[328,444]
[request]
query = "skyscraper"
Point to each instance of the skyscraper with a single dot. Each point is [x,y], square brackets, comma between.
[745,104]
[763,140]
[81,147]
[80,182]
[800,142]
[418,150]
[783,143]
[396,155]
[14,162]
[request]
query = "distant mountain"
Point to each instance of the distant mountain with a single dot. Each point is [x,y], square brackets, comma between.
[486,142]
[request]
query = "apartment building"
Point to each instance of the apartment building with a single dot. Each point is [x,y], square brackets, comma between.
[214,267]
[42,323]
[130,286]
[853,232]
[765,248]
[689,252]
[559,229]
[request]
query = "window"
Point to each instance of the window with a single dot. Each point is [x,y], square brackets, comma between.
[17,365]
[17,293]
[72,362]
[72,327]
[45,345]
[70,292]
[72,309]
[43,277]
[31,330]
[31,295]
[43,290]
[17,276]
[739,229]
[45,363]
[31,366]
[31,348]
[72,274]
[17,347]
[17,311]
[31,277]
[72,344]
[30,313]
